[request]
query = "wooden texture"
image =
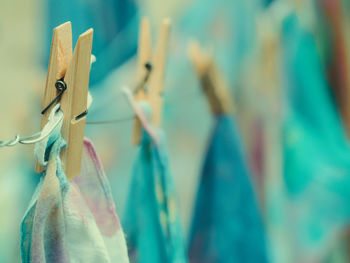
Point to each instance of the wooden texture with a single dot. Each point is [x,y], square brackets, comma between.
[74,69]
[74,102]
[212,82]
[156,79]
[60,57]
[144,53]
[144,56]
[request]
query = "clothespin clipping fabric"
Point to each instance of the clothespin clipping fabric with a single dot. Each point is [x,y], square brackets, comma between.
[155,84]
[73,68]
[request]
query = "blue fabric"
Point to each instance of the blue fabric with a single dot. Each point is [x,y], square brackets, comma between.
[316,151]
[267,3]
[228,26]
[227,225]
[152,223]
[115,24]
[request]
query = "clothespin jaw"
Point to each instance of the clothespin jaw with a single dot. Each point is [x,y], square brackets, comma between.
[212,82]
[144,53]
[74,68]
[60,57]
[74,104]
[156,79]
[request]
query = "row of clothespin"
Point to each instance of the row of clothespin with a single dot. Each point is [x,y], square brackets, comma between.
[68,81]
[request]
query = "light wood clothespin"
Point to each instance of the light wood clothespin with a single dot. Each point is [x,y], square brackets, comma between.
[212,82]
[74,69]
[156,78]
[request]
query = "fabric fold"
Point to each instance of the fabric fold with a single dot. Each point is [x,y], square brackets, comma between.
[71,221]
[226,225]
[151,222]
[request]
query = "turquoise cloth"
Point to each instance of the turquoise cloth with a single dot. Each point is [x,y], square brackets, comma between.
[226,225]
[227,26]
[316,151]
[152,223]
[115,24]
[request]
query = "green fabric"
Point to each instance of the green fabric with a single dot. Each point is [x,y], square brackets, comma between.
[316,152]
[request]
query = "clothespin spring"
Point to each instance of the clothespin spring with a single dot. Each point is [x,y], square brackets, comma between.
[61,86]
[144,81]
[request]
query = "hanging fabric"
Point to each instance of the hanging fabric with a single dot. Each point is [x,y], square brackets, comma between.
[152,223]
[71,221]
[316,151]
[226,225]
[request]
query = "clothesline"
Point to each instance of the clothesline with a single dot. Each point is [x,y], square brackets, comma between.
[39,136]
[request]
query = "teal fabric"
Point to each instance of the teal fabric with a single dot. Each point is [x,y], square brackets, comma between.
[228,26]
[115,24]
[227,225]
[316,151]
[151,222]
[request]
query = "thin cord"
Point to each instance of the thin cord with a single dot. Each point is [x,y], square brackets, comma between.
[61,86]
[111,121]
[125,119]
[38,136]
[140,86]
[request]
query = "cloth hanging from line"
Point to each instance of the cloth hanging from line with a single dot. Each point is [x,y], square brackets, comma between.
[152,223]
[226,225]
[71,221]
[316,151]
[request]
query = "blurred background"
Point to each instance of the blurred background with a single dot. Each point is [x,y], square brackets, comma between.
[286,63]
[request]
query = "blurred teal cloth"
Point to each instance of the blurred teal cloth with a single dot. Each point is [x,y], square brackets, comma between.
[316,151]
[17,185]
[228,26]
[151,222]
[71,221]
[115,24]
[226,225]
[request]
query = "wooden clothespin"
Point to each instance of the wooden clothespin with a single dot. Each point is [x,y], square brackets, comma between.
[74,70]
[211,80]
[157,61]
